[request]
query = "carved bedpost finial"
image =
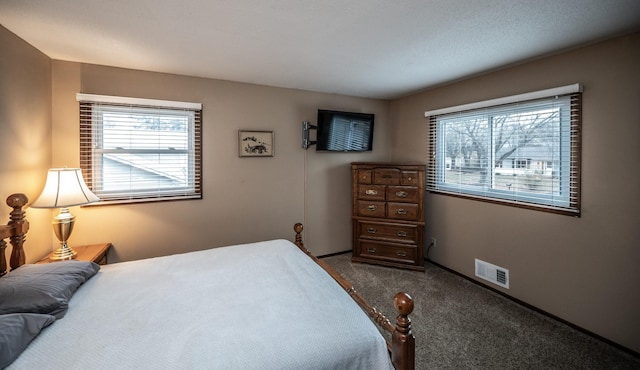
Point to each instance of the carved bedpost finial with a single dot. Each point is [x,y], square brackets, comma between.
[20,227]
[17,201]
[298,229]
[403,303]
[402,340]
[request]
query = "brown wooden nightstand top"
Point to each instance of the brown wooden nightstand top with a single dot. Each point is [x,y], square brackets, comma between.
[94,252]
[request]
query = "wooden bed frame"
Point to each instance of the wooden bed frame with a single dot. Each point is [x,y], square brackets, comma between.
[402,343]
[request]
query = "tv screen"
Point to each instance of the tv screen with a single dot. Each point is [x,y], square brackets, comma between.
[344,131]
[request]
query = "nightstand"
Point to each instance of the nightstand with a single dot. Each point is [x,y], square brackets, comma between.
[94,252]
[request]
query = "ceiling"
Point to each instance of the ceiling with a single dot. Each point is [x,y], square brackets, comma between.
[368,48]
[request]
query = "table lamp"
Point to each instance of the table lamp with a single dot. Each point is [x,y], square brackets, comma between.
[65,187]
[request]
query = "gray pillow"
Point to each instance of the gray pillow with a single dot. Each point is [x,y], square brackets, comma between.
[16,332]
[44,289]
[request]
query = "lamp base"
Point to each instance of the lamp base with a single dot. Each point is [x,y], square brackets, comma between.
[63,253]
[63,226]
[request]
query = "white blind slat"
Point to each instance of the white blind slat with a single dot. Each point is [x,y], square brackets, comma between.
[557,91]
[122,100]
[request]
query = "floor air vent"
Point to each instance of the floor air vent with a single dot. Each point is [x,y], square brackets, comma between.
[492,273]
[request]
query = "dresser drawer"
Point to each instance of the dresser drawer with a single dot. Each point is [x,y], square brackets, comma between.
[409,178]
[392,232]
[364,177]
[388,252]
[386,176]
[403,211]
[409,194]
[371,208]
[371,192]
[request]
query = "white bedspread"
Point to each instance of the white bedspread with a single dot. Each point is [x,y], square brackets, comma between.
[254,306]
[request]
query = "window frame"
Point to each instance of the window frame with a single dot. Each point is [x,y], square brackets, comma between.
[570,152]
[92,153]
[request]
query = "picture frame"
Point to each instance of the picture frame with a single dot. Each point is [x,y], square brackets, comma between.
[255,143]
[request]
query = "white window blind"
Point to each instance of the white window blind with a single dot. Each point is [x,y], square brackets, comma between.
[523,150]
[134,150]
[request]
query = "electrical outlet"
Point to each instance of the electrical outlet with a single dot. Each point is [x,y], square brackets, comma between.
[433,242]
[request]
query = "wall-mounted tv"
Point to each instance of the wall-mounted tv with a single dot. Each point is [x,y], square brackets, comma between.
[344,131]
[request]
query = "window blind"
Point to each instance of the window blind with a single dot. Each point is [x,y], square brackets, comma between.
[134,150]
[520,152]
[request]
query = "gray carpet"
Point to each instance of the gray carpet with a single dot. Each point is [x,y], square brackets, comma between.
[460,325]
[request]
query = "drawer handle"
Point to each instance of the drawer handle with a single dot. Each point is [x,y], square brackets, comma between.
[401,194]
[409,178]
[371,192]
[371,230]
[372,207]
[401,211]
[402,234]
[371,250]
[402,253]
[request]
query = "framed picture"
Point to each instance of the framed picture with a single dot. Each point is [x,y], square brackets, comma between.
[255,143]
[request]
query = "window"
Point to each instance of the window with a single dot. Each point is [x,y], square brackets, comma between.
[522,150]
[134,150]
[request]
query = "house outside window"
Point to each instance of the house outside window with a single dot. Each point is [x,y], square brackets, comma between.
[135,150]
[522,150]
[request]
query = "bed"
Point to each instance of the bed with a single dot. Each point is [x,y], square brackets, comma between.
[264,305]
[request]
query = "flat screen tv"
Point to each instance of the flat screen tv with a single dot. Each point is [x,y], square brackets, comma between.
[344,131]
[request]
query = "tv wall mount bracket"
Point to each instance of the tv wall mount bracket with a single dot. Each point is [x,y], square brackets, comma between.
[306,126]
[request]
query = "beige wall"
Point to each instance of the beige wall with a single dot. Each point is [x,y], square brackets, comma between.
[245,199]
[25,133]
[584,270]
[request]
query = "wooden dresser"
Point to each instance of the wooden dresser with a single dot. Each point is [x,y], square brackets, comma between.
[388,214]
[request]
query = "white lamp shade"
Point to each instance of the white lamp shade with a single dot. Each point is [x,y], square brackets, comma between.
[65,187]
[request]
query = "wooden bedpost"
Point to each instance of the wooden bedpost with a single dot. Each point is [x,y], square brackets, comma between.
[298,229]
[19,227]
[403,343]
[15,230]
